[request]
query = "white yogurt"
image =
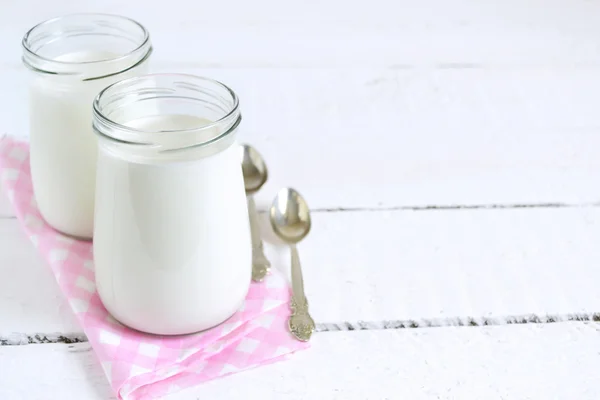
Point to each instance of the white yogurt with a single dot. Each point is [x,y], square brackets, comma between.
[172,243]
[63,145]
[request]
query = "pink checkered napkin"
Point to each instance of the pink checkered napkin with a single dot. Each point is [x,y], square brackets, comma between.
[141,366]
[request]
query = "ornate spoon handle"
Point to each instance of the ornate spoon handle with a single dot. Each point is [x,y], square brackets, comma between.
[301,324]
[260,264]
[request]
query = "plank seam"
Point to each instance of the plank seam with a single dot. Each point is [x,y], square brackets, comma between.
[446,207]
[433,207]
[458,321]
[19,339]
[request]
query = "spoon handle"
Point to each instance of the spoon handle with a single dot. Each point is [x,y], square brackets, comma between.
[299,301]
[260,264]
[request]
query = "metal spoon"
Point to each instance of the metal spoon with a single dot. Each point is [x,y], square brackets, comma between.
[255,175]
[290,218]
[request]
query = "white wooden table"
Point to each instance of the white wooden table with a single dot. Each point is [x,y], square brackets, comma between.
[450,151]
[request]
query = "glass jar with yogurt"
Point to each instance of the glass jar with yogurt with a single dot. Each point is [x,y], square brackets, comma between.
[72,58]
[172,245]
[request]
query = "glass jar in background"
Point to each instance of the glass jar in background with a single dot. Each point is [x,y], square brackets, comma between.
[172,245]
[72,58]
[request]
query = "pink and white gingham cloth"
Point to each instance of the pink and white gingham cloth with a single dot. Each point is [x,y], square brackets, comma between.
[137,365]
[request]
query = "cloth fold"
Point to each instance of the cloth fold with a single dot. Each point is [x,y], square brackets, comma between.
[137,365]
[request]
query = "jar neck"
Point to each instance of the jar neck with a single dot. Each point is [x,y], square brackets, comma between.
[190,118]
[86,46]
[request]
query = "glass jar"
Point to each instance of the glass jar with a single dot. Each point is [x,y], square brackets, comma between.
[72,58]
[172,245]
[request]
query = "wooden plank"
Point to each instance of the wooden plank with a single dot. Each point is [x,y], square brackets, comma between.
[6,210]
[374,266]
[335,33]
[31,300]
[377,138]
[444,363]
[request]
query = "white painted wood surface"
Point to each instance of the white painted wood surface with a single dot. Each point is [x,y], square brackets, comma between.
[556,361]
[5,207]
[376,266]
[332,33]
[386,108]
[380,138]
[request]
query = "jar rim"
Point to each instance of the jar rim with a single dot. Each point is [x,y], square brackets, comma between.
[167,144]
[26,43]
[126,82]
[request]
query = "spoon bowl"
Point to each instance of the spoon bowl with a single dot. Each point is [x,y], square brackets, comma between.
[290,216]
[254,169]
